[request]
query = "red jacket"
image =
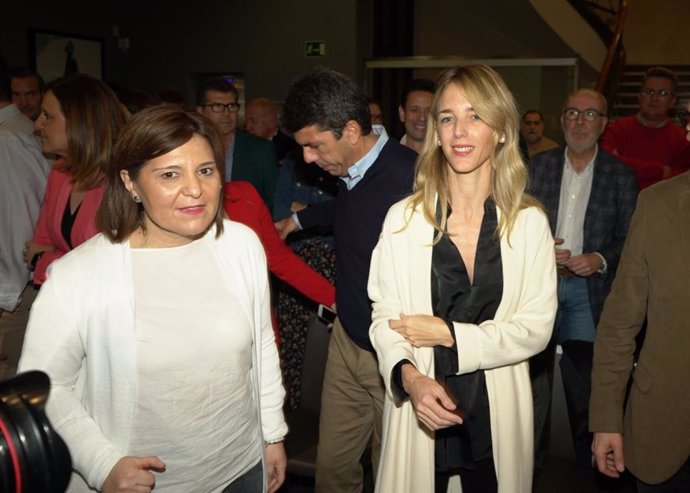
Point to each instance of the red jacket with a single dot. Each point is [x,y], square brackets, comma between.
[243,204]
[48,228]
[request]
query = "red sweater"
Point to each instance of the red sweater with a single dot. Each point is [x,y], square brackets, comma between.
[646,150]
[243,204]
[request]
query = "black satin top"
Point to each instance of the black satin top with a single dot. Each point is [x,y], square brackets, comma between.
[68,223]
[454,299]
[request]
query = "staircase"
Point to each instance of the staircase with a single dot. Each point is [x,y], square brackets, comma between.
[626,103]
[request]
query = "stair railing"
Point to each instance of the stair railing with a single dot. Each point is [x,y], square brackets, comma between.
[608,22]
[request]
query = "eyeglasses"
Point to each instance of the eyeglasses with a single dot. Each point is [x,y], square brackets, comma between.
[573,113]
[219,107]
[662,93]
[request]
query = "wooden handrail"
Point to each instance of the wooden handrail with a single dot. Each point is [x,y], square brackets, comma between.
[612,68]
[615,51]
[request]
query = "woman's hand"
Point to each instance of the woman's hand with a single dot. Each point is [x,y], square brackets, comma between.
[423,330]
[276,463]
[432,404]
[32,248]
[133,474]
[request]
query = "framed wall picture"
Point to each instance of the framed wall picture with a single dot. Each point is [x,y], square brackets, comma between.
[55,54]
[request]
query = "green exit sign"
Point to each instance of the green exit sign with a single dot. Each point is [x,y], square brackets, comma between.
[314,48]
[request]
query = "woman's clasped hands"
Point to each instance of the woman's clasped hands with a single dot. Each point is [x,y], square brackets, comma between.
[433,406]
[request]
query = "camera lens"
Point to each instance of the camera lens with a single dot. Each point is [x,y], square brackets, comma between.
[33,457]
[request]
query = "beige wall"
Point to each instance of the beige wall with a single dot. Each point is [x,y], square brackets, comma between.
[658,32]
[573,29]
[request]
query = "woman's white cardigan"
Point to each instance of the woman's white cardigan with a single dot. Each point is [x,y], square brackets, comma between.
[81,333]
[400,282]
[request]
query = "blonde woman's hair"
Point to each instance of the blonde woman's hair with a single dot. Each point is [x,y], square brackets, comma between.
[495,106]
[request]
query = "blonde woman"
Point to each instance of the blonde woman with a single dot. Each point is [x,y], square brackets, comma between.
[463,283]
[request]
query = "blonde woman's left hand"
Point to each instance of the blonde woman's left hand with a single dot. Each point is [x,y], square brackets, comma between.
[276,464]
[422,330]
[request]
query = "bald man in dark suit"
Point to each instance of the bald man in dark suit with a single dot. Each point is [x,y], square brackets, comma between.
[652,437]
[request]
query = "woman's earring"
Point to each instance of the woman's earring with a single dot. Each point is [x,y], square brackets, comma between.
[438,142]
[502,140]
[136,199]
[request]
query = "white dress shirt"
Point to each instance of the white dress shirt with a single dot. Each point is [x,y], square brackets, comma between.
[24,171]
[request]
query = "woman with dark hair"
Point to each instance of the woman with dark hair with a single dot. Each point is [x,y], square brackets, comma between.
[463,284]
[79,122]
[157,334]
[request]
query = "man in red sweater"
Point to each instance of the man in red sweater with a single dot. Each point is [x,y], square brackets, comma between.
[654,146]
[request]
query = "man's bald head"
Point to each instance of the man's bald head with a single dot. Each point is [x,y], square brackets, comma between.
[261,118]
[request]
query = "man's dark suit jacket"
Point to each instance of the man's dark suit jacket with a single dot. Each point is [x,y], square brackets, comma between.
[283,144]
[653,282]
[254,160]
[611,205]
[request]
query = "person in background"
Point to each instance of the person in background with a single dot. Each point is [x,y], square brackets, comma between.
[463,285]
[27,91]
[134,100]
[589,197]
[375,111]
[156,334]
[24,171]
[648,141]
[247,157]
[80,120]
[414,110]
[243,204]
[532,130]
[261,120]
[301,185]
[170,95]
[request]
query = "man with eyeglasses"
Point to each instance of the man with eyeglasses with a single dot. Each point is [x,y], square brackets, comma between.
[649,142]
[589,197]
[247,158]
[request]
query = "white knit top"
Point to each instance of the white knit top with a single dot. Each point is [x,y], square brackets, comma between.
[194,406]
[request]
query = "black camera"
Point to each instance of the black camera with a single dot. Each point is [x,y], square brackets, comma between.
[33,457]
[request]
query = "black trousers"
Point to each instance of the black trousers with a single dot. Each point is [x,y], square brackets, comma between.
[481,479]
[576,370]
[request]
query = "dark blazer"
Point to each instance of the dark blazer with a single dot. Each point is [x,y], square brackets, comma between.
[653,281]
[254,160]
[610,207]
